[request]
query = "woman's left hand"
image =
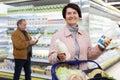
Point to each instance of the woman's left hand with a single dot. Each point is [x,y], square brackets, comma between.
[107,41]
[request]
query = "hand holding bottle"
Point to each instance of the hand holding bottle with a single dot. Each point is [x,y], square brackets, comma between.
[62,51]
[32,41]
[61,56]
[37,37]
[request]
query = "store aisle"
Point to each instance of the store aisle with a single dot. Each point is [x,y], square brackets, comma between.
[114,71]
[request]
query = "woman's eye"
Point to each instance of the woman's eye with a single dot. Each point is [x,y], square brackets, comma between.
[74,13]
[68,13]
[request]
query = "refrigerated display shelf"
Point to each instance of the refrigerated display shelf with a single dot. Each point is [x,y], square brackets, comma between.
[114,70]
[33,60]
[111,62]
[2,57]
[113,46]
[40,60]
[3,54]
[7,76]
[35,76]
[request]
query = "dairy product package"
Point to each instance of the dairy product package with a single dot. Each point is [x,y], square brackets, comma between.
[61,47]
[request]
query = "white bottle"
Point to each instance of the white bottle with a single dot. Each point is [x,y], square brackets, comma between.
[61,47]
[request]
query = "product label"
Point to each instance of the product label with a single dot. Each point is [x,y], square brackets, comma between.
[101,41]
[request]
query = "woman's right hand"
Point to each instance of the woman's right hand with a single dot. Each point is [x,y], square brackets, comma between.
[61,56]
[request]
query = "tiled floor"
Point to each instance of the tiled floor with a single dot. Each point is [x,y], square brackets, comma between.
[114,71]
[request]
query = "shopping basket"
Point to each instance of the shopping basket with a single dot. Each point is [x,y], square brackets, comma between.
[74,62]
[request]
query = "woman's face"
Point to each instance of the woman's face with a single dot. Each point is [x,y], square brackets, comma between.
[72,17]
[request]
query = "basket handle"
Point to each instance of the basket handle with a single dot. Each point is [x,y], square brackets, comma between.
[73,62]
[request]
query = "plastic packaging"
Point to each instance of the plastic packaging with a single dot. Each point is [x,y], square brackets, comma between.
[62,49]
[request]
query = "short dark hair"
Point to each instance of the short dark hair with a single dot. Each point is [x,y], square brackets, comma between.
[73,6]
[20,21]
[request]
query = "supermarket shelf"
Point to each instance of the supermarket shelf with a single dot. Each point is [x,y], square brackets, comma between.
[34,2]
[108,58]
[113,46]
[9,76]
[110,63]
[40,60]
[114,70]
[33,74]
[34,60]
[1,55]
[103,11]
